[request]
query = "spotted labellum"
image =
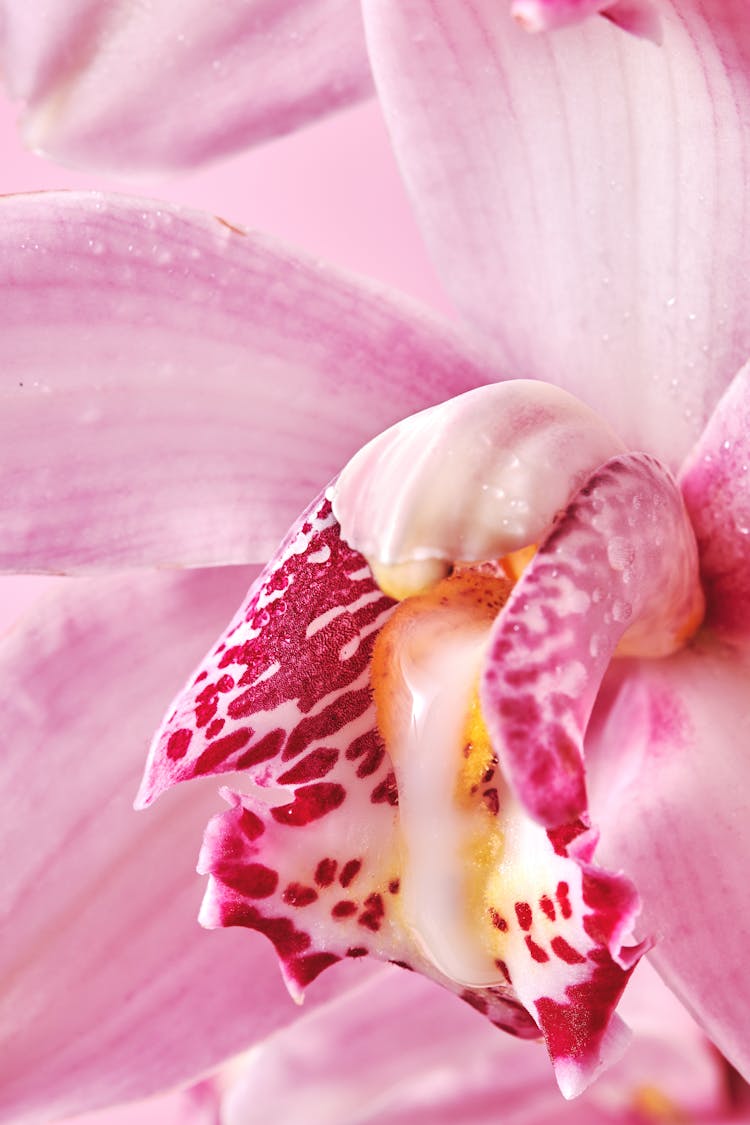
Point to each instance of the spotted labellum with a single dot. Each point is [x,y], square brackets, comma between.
[406,690]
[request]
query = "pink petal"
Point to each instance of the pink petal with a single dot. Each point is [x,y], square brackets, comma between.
[716,486]
[582,194]
[119,86]
[621,563]
[185,386]
[198,1105]
[669,778]
[397,1051]
[638,16]
[110,989]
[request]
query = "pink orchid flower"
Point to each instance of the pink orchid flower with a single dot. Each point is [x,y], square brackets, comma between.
[339,1066]
[580,306]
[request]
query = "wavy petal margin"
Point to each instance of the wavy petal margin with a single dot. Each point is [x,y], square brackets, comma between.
[310,853]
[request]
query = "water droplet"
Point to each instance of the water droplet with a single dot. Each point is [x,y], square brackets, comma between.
[620,552]
[621,611]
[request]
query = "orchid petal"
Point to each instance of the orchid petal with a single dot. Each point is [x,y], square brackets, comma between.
[397,1051]
[186,386]
[620,565]
[110,989]
[197,1105]
[309,855]
[637,16]
[142,88]
[473,479]
[309,852]
[716,486]
[668,777]
[579,194]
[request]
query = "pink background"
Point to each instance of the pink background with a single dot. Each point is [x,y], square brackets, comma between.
[332,189]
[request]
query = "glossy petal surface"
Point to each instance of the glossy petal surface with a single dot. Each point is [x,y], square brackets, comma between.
[471,479]
[169,84]
[99,903]
[716,485]
[579,191]
[619,566]
[186,386]
[669,783]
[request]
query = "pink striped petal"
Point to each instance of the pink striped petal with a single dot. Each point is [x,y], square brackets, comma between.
[119,86]
[110,990]
[669,777]
[198,1105]
[582,194]
[397,1052]
[620,566]
[185,387]
[716,485]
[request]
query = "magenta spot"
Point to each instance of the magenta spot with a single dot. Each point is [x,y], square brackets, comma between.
[503,969]
[216,753]
[226,683]
[477,1002]
[369,748]
[374,911]
[386,792]
[200,677]
[262,751]
[311,802]
[344,909]
[491,801]
[350,871]
[331,719]
[315,765]
[304,970]
[325,872]
[566,952]
[574,1029]
[205,712]
[287,939]
[394,886]
[179,741]
[250,825]
[561,837]
[563,901]
[297,894]
[536,951]
[253,880]
[497,920]
[215,727]
[357,951]
[524,915]
[548,907]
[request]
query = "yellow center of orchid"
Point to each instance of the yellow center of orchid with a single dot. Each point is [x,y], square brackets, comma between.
[425,670]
